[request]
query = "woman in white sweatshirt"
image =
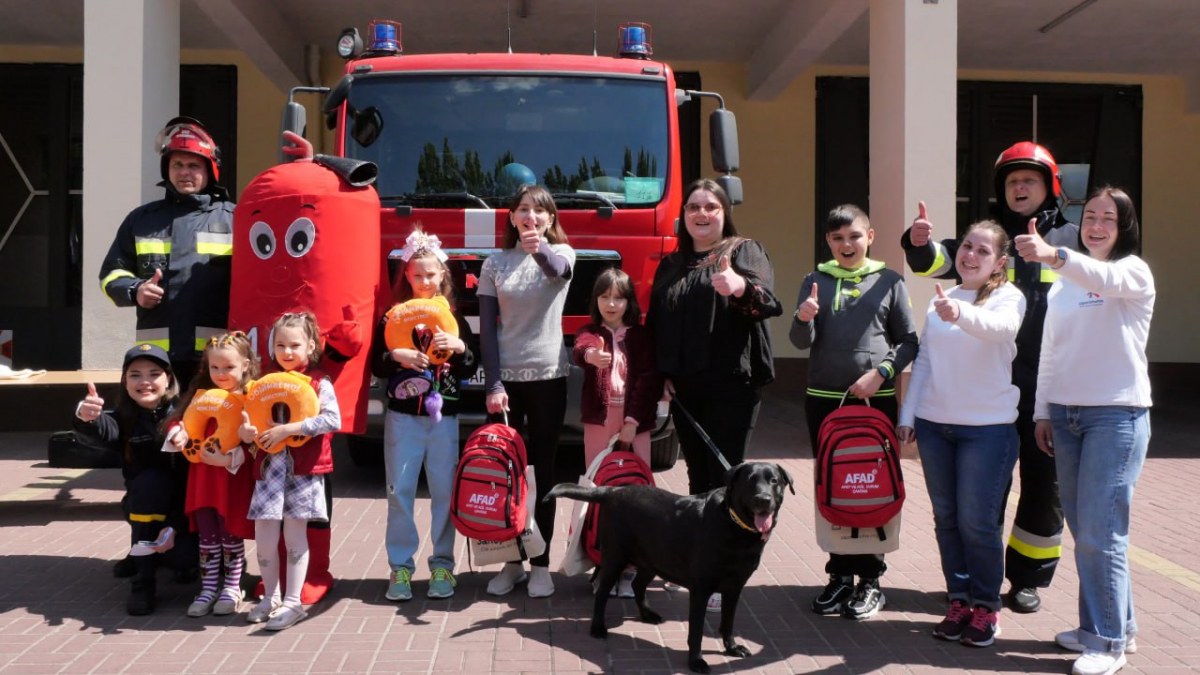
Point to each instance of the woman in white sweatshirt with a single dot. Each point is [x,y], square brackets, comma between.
[1092,412]
[961,406]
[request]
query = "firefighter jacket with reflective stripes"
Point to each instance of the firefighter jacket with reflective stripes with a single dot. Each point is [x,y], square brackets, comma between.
[190,238]
[936,259]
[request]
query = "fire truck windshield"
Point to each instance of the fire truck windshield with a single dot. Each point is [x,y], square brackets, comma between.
[469,140]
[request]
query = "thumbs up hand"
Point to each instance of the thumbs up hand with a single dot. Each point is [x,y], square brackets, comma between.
[1033,248]
[247,432]
[922,229]
[807,311]
[598,358]
[91,406]
[727,282]
[149,293]
[946,307]
[446,342]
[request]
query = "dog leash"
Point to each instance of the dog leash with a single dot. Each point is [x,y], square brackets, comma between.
[700,430]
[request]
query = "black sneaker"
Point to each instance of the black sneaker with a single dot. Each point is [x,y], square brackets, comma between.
[983,628]
[124,568]
[1024,600]
[866,601]
[951,628]
[836,593]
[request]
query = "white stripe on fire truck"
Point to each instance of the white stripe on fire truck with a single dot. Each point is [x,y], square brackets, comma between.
[479,228]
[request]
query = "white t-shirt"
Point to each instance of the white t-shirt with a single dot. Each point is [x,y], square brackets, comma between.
[1094,342]
[531,306]
[963,372]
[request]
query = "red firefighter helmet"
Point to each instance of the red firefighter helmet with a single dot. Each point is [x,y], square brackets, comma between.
[185,134]
[1027,155]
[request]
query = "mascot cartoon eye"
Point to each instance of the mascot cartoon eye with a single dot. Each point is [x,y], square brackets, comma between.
[262,240]
[300,237]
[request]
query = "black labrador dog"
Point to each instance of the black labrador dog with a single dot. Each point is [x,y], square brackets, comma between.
[709,543]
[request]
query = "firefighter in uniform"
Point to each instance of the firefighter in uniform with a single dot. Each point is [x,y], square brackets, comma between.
[171,257]
[1027,184]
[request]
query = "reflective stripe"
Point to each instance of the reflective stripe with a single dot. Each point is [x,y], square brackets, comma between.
[877,501]
[940,262]
[149,245]
[818,393]
[857,450]
[1049,276]
[481,521]
[159,337]
[1035,547]
[1012,274]
[206,333]
[479,228]
[214,243]
[147,517]
[475,471]
[113,276]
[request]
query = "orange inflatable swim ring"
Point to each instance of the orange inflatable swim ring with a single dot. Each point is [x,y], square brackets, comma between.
[281,398]
[211,421]
[412,325]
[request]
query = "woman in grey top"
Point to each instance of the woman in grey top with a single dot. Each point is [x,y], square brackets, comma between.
[521,294]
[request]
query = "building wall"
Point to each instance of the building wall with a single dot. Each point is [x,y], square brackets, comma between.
[778,156]
[778,159]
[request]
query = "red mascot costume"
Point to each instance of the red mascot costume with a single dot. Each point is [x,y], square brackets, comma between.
[306,237]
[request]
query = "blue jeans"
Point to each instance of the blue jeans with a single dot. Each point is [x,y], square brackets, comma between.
[1101,449]
[967,469]
[408,442]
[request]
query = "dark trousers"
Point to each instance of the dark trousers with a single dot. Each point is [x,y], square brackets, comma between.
[1038,525]
[537,410]
[816,409]
[728,417]
[151,504]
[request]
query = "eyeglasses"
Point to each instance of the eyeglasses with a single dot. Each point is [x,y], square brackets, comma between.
[693,209]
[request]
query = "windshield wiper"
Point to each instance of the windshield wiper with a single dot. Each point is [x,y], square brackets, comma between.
[591,197]
[411,197]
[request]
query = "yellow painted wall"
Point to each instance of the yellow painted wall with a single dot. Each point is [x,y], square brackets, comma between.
[777,141]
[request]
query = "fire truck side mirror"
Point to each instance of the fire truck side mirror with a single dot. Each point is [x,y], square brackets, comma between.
[295,120]
[722,136]
[732,185]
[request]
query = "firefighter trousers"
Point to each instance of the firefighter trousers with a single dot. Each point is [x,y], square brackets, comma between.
[1035,544]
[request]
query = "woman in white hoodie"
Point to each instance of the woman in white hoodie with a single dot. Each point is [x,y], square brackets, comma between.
[1092,412]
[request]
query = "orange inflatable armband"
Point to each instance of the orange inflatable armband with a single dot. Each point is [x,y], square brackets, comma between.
[211,421]
[282,398]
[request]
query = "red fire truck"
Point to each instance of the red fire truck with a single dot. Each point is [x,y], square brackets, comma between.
[453,135]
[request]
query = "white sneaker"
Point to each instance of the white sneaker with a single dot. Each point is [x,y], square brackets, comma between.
[507,578]
[714,603]
[1098,663]
[1069,639]
[540,583]
[625,583]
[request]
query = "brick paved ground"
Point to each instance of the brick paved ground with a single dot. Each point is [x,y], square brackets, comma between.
[62,612]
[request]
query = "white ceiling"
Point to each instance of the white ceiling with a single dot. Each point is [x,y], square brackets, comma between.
[1110,36]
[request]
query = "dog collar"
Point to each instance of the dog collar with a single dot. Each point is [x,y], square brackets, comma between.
[740,522]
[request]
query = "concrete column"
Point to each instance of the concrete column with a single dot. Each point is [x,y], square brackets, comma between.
[130,89]
[914,119]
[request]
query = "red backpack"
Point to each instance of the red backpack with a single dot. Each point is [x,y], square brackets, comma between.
[617,468]
[859,482]
[490,491]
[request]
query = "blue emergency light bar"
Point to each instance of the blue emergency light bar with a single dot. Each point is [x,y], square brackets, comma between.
[634,40]
[385,36]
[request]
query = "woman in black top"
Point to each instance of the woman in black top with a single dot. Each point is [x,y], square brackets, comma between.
[708,310]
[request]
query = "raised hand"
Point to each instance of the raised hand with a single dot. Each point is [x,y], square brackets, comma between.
[598,358]
[443,341]
[1033,248]
[727,282]
[809,308]
[946,308]
[922,229]
[247,432]
[92,406]
[530,239]
[149,293]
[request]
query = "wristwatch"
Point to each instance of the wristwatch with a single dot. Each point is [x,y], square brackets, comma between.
[1061,255]
[883,371]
